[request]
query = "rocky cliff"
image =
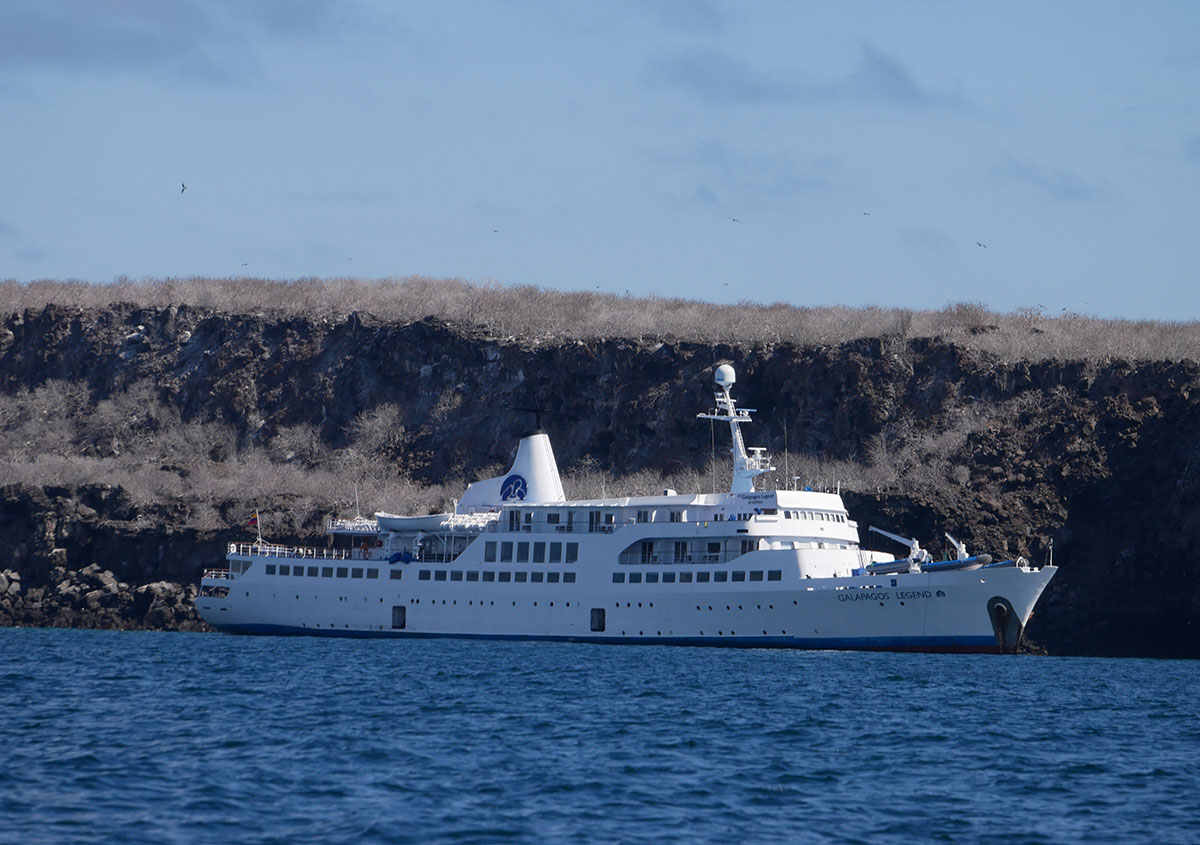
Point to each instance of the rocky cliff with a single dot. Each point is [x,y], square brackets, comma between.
[135,441]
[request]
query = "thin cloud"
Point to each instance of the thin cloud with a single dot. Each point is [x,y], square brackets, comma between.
[188,40]
[744,178]
[719,78]
[8,232]
[1059,184]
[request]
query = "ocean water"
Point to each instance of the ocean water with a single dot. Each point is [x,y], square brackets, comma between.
[150,737]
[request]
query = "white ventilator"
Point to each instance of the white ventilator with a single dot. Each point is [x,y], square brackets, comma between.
[533,478]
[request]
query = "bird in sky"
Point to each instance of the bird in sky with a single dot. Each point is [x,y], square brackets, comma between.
[735,220]
[977,243]
[245,263]
[866,214]
[182,187]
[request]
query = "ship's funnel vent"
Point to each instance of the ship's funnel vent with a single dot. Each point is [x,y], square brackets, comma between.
[533,478]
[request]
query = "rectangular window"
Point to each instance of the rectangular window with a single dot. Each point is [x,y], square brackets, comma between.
[343,572]
[651,577]
[371,573]
[551,577]
[775,575]
[676,516]
[572,552]
[285,570]
[506,551]
[756,576]
[472,576]
[618,577]
[523,552]
[749,546]
[539,552]
[635,577]
[701,577]
[439,575]
[593,520]
[521,576]
[647,551]
[456,575]
[556,552]
[423,575]
[598,619]
[489,551]
[552,519]
[489,576]
[668,577]
[270,569]
[739,576]
[399,612]
[681,551]
[643,516]
[568,577]
[714,548]
[722,577]
[312,572]
[536,577]
[685,577]
[396,574]
[505,577]
[356,572]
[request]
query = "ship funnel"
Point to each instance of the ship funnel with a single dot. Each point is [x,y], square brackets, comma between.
[533,478]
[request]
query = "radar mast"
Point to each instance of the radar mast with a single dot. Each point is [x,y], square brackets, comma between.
[747,463]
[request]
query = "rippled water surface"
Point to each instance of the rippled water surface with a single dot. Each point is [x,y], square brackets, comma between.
[144,737]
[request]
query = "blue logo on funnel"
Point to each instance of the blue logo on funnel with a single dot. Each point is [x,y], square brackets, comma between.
[514,487]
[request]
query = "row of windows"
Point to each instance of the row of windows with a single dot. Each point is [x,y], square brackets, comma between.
[326,571]
[699,577]
[816,515]
[542,552]
[503,577]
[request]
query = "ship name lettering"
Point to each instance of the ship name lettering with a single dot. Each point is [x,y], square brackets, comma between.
[914,594]
[856,596]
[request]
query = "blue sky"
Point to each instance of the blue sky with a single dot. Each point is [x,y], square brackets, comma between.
[812,153]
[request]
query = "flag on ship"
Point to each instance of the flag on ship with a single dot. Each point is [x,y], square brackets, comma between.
[253,523]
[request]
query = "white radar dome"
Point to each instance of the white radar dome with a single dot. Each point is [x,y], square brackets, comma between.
[725,376]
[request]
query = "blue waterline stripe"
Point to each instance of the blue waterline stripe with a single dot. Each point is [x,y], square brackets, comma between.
[948,644]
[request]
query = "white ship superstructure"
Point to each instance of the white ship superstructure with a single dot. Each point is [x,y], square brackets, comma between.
[516,560]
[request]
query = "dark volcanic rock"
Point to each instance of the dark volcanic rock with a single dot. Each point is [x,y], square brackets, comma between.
[1102,457]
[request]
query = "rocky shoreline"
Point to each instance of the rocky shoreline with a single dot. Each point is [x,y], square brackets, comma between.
[93,598]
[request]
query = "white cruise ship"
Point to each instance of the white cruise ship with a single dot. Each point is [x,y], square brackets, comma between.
[516,560]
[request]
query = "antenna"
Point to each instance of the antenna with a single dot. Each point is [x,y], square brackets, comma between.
[785,449]
[357,509]
[537,410]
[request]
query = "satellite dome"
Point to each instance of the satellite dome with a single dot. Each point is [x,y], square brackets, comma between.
[725,376]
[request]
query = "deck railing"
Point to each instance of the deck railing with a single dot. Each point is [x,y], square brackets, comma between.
[304,552]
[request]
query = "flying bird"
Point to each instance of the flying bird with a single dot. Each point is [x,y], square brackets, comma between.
[735,220]
[182,187]
[977,243]
[866,214]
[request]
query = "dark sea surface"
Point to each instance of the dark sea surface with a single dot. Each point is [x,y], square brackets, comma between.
[148,737]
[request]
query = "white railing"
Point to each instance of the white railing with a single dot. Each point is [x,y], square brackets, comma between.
[358,525]
[304,552]
[218,574]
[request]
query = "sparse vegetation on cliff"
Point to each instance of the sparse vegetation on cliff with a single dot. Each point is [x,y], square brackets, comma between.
[539,315]
[140,436]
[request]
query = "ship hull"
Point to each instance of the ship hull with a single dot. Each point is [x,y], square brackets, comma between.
[927,612]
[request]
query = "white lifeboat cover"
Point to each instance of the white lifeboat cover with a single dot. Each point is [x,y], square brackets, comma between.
[533,478]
